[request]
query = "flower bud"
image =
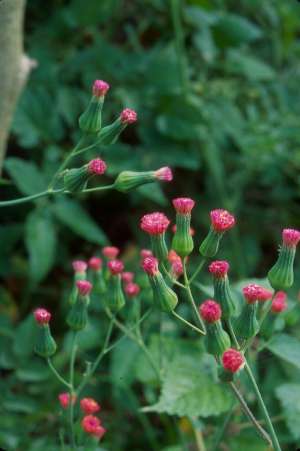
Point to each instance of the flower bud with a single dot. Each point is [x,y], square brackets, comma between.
[115,300]
[95,264]
[115,267]
[64,399]
[279,303]
[233,360]
[110,252]
[127,276]
[78,316]
[216,339]
[45,344]
[79,267]
[164,297]
[132,289]
[128,180]
[246,325]
[109,134]
[182,241]
[90,120]
[156,224]
[281,275]
[89,406]
[174,228]
[76,179]
[221,220]
[222,291]
[92,426]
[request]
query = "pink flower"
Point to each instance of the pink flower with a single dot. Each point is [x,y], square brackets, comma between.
[210,311]
[84,287]
[42,316]
[150,265]
[221,220]
[146,253]
[115,267]
[97,166]
[64,399]
[89,405]
[174,228]
[154,223]
[290,237]
[110,252]
[233,360]
[92,425]
[183,205]
[100,88]
[173,256]
[128,116]
[254,292]
[79,266]
[177,268]
[127,276]
[95,263]
[219,268]
[164,174]
[279,303]
[132,289]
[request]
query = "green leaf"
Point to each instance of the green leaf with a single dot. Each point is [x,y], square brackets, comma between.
[289,396]
[26,175]
[71,214]
[286,348]
[249,66]
[20,404]
[24,339]
[232,29]
[40,238]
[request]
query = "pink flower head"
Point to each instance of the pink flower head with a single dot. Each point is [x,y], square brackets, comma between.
[146,253]
[115,267]
[79,266]
[290,237]
[97,166]
[233,360]
[279,303]
[64,399]
[128,116]
[110,252]
[254,292]
[132,289]
[174,228]
[92,425]
[173,256]
[84,287]
[221,220]
[127,276]
[177,268]
[89,405]
[100,88]
[219,268]
[150,265]
[154,223]
[165,174]
[183,205]
[210,311]
[42,316]
[95,263]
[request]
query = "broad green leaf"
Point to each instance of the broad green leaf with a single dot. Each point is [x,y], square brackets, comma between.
[289,396]
[249,66]
[286,348]
[26,175]
[71,214]
[24,338]
[232,29]
[34,371]
[40,238]
[20,403]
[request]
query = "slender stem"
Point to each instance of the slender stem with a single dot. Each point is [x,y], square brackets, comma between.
[222,429]
[190,297]
[250,415]
[232,334]
[98,188]
[72,392]
[199,267]
[179,43]
[22,200]
[56,374]
[188,323]
[198,435]
[171,278]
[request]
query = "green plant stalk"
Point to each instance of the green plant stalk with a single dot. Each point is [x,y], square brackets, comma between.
[187,323]
[179,44]
[173,281]
[191,299]
[56,374]
[221,430]
[199,268]
[72,392]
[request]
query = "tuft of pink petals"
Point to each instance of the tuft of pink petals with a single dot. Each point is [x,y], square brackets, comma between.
[92,425]
[127,276]
[146,253]
[279,303]
[64,399]
[177,268]
[110,252]
[84,287]
[95,263]
[233,360]
[89,406]
[97,166]
[115,267]
[154,223]
[219,268]
[150,265]
[132,289]
[290,237]
[42,316]
[128,116]
[254,292]
[221,220]
[210,311]
[100,88]
[165,174]
[79,266]
[183,205]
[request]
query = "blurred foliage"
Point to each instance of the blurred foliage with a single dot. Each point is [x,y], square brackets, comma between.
[216,88]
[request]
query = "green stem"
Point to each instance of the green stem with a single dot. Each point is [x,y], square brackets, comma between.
[56,374]
[179,44]
[221,431]
[188,323]
[199,267]
[98,188]
[173,281]
[72,392]
[190,297]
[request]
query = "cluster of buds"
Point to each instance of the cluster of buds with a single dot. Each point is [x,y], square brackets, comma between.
[76,179]
[216,339]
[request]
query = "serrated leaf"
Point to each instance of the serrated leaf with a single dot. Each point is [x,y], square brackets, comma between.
[26,175]
[286,348]
[289,396]
[71,214]
[40,238]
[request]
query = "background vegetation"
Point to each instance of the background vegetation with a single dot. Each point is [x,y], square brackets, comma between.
[216,88]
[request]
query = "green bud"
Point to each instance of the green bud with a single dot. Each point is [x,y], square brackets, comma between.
[164,297]
[182,242]
[216,339]
[128,180]
[225,376]
[116,298]
[210,245]
[99,282]
[90,120]
[45,344]
[78,316]
[76,179]
[281,275]
[109,134]
[246,325]
[159,247]
[223,294]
